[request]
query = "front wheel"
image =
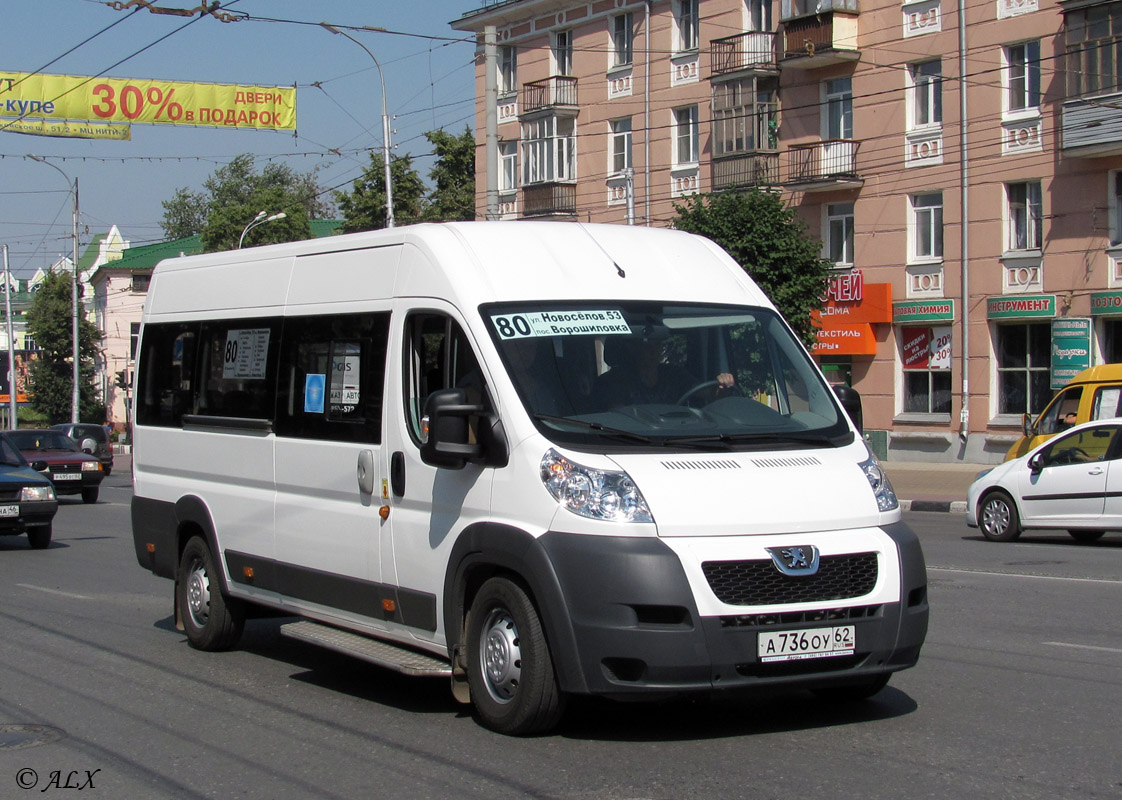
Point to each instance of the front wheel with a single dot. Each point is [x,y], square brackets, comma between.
[997,517]
[210,620]
[39,538]
[90,495]
[1085,537]
[510,672]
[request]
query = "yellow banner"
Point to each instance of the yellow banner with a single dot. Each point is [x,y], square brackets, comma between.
[70,97]
[68,129]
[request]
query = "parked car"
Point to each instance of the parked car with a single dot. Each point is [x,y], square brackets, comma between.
[27,499]
[1072,482]
[91,438]
[70,470]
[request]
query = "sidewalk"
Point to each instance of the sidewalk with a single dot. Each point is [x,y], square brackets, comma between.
[923,486]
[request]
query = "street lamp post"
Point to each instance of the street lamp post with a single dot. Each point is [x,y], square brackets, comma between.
[385,123]
[74,397]
[260,219]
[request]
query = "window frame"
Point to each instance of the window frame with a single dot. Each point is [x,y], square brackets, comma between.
[623,39]
[561,52]
[838,108]
[840,219]
[507,70]
[1036,366]
[920,206]
[686,135]
[508,167]
[687,20]
[925,106]
[1024,216]
[548,156]
[620,143]
[1021,76]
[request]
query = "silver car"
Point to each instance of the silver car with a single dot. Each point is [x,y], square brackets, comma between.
[90,438]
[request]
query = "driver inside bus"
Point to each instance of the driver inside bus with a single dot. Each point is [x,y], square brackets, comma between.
[643,375]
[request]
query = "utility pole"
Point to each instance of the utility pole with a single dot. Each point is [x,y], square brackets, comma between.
[12,403]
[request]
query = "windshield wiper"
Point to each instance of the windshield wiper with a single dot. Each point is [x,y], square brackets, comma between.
[596,426]
[762,438]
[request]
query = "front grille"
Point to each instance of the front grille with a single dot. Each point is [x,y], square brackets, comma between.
[759,583]
[9,495]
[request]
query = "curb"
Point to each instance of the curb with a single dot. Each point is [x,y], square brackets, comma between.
[951,506]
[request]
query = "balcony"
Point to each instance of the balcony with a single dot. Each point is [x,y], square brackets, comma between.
[1091,127]
[823,166]
[549,200]
[558,91]
[745,170]
[745,51]
[820,40]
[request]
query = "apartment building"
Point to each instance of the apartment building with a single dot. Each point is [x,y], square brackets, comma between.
[886,125]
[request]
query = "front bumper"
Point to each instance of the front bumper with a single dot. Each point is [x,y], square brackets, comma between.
[88,480]
[31,515]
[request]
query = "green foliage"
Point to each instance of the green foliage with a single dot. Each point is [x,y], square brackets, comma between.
[49,322]
[453,177]
[768,240]
[364,208]
[234,195]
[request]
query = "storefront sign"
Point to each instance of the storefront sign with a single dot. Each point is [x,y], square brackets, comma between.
[926,348]
[923,311]
[1071,349]
[874,305]
[1106,303]
[846,340]
[1021,306]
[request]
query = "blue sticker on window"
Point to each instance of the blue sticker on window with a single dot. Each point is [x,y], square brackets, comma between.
[314,386]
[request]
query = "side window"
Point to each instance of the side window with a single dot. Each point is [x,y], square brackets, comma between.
[1084,447]
[1107,403]
[439,356]
[1061,413]
[332,376]
[237,368]
[165,384]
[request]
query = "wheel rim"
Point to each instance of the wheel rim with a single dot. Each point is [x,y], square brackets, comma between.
[501,655]
[995,517]
[198,594]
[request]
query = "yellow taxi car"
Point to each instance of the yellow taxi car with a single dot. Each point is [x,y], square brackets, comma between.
[1094,393]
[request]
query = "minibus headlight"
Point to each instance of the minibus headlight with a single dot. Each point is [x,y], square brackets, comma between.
[878,481]
[593,493]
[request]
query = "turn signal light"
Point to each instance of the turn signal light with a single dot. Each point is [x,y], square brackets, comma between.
[384,512]
[389,605]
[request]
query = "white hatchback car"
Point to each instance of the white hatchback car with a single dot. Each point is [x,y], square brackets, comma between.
[1072,482]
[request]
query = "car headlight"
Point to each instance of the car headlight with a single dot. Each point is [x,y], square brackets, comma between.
[32,493]
[878,481]
[91,466]
[593,493]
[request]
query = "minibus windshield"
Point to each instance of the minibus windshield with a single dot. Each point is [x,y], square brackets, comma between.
[663,374]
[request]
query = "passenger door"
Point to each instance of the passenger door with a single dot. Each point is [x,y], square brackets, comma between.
[1071,483]
[430,507]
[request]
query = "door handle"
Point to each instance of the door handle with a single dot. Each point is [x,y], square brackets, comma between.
[1096,471]
[366,472]
[397,473]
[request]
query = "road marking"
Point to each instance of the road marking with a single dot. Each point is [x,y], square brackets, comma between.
[1085,647]
[54,591]
[1022,575]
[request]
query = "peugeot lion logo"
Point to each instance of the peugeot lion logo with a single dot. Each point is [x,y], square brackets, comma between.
[797,560]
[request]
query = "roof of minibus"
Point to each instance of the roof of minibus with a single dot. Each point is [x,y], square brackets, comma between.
[1098,374]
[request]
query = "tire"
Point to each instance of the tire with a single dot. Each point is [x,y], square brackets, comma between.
[90,495]
[40,538]
[852,692]
[998,518]
[1085,537]
[510,672]
[210,619]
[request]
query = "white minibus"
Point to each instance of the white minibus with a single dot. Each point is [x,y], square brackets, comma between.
[540,459]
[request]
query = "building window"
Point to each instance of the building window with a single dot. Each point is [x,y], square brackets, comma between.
[30,344]
[508,166]
[1094,41]
[140,283]
[508,70]
[563,53]
[927,94]
[926,357]
[839,233]
[927,226]
[757,15]
[745,116]
[134,339]
[622,40]
[685,135]
[620,144]
[839,108]
[1023,354]
[549,150]
[1115,202]
[686,21]
[1022,76]
[1024,216]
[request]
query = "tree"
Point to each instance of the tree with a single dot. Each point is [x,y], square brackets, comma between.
[49,322]
[453,177]
[234,195]
[364,208]
[768,240]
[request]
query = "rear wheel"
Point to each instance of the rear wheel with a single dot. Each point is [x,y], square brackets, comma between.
[210,619]
[90,495]
[510,672]
[1086,536]
[997,517]
[39,538]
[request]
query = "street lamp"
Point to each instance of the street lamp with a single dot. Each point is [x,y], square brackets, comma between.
[385,122]
[260,219]
[74,399]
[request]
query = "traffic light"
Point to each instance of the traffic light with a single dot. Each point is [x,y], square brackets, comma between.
[123,379]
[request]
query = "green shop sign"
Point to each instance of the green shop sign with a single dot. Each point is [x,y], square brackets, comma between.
[1021,306]
[1071,349]
[1106,303]
[923,311]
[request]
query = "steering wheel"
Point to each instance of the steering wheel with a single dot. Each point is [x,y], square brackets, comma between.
[700,387]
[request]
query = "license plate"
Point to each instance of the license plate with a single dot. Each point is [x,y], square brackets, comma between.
[811,643]
[67,476]
[9,511]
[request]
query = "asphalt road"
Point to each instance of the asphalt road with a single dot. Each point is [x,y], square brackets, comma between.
[1015,696]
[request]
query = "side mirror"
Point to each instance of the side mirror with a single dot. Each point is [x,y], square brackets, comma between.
[449,439]
[39,466]
[1027,428]
[1036,463]
[851,402]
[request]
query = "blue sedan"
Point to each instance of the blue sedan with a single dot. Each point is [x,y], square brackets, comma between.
[27,499]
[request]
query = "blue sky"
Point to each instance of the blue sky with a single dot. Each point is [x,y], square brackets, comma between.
[429,84]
